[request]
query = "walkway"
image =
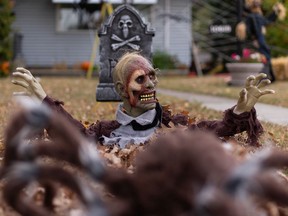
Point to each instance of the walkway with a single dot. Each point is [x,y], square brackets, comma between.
[265,112]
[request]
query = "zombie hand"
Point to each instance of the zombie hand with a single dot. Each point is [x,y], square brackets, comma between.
[24,78]
[251,93]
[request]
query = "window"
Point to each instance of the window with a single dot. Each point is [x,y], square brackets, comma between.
[70,17]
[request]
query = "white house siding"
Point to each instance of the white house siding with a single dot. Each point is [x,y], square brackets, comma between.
[42,45]
[177,41]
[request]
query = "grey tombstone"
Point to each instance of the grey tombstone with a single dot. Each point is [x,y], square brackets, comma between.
[124,31]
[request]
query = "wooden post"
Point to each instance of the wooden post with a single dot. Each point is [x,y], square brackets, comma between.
[195,59]
[239,9]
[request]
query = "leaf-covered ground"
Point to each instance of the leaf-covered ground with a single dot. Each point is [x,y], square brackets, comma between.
[79,97]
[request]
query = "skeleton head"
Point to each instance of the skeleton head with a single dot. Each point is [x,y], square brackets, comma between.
[253,3]
[135,81]
[124,24]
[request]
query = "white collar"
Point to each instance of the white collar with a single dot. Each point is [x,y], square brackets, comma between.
[143,119]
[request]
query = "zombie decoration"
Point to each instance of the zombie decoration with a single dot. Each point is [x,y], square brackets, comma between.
[124,31]
[140,114]
[135,81]
[254,27]
[179,173]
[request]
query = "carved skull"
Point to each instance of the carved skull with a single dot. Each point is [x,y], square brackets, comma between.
[135,81]
[125,23]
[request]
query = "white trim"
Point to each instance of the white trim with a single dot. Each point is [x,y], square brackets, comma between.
[144,1]
[91,1]
[109,1]
[167,26]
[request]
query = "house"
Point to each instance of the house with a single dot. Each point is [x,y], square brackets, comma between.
[52,34]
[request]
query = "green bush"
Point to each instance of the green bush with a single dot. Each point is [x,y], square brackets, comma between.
[6,19]
[163,60]
[277,32]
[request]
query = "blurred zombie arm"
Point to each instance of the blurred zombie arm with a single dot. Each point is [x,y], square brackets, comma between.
[241,117]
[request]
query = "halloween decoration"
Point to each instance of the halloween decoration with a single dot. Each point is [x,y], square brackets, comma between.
[125,31]
[140,113]
[175,175]
[254,27]
[125,24]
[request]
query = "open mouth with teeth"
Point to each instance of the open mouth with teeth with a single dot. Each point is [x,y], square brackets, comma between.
[147,97]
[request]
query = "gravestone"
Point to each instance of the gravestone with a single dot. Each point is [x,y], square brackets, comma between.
[124,31]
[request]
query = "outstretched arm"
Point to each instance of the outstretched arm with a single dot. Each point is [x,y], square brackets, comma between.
[23,77]
[243,116]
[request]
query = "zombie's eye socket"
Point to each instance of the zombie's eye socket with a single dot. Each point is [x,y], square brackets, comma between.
[152,75]
[140,79]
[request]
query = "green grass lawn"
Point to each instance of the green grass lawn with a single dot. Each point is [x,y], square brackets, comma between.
[79,97]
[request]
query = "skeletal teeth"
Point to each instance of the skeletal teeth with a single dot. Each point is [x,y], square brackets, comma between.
[147,97]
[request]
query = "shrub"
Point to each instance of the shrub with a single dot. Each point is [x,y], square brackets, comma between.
[277,32]
[163,60]
[6,19]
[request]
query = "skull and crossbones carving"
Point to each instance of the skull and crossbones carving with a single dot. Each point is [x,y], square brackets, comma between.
[122,42]
[125,24]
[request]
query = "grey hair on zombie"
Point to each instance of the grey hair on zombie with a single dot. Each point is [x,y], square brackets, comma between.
[128,63]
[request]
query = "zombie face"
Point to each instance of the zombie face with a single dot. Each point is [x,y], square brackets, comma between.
[141,89]
[135,81]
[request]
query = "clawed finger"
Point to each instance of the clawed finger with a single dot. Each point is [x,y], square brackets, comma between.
[263,82]
[258,78]
[23,70]
[21,94]
[21,75]
[24,76]
[249,81]
[267,91]
[20,83]
[243,92]
[243,95]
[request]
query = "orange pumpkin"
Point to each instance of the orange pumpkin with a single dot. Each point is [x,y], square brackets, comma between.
[85,65]
[5,67]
